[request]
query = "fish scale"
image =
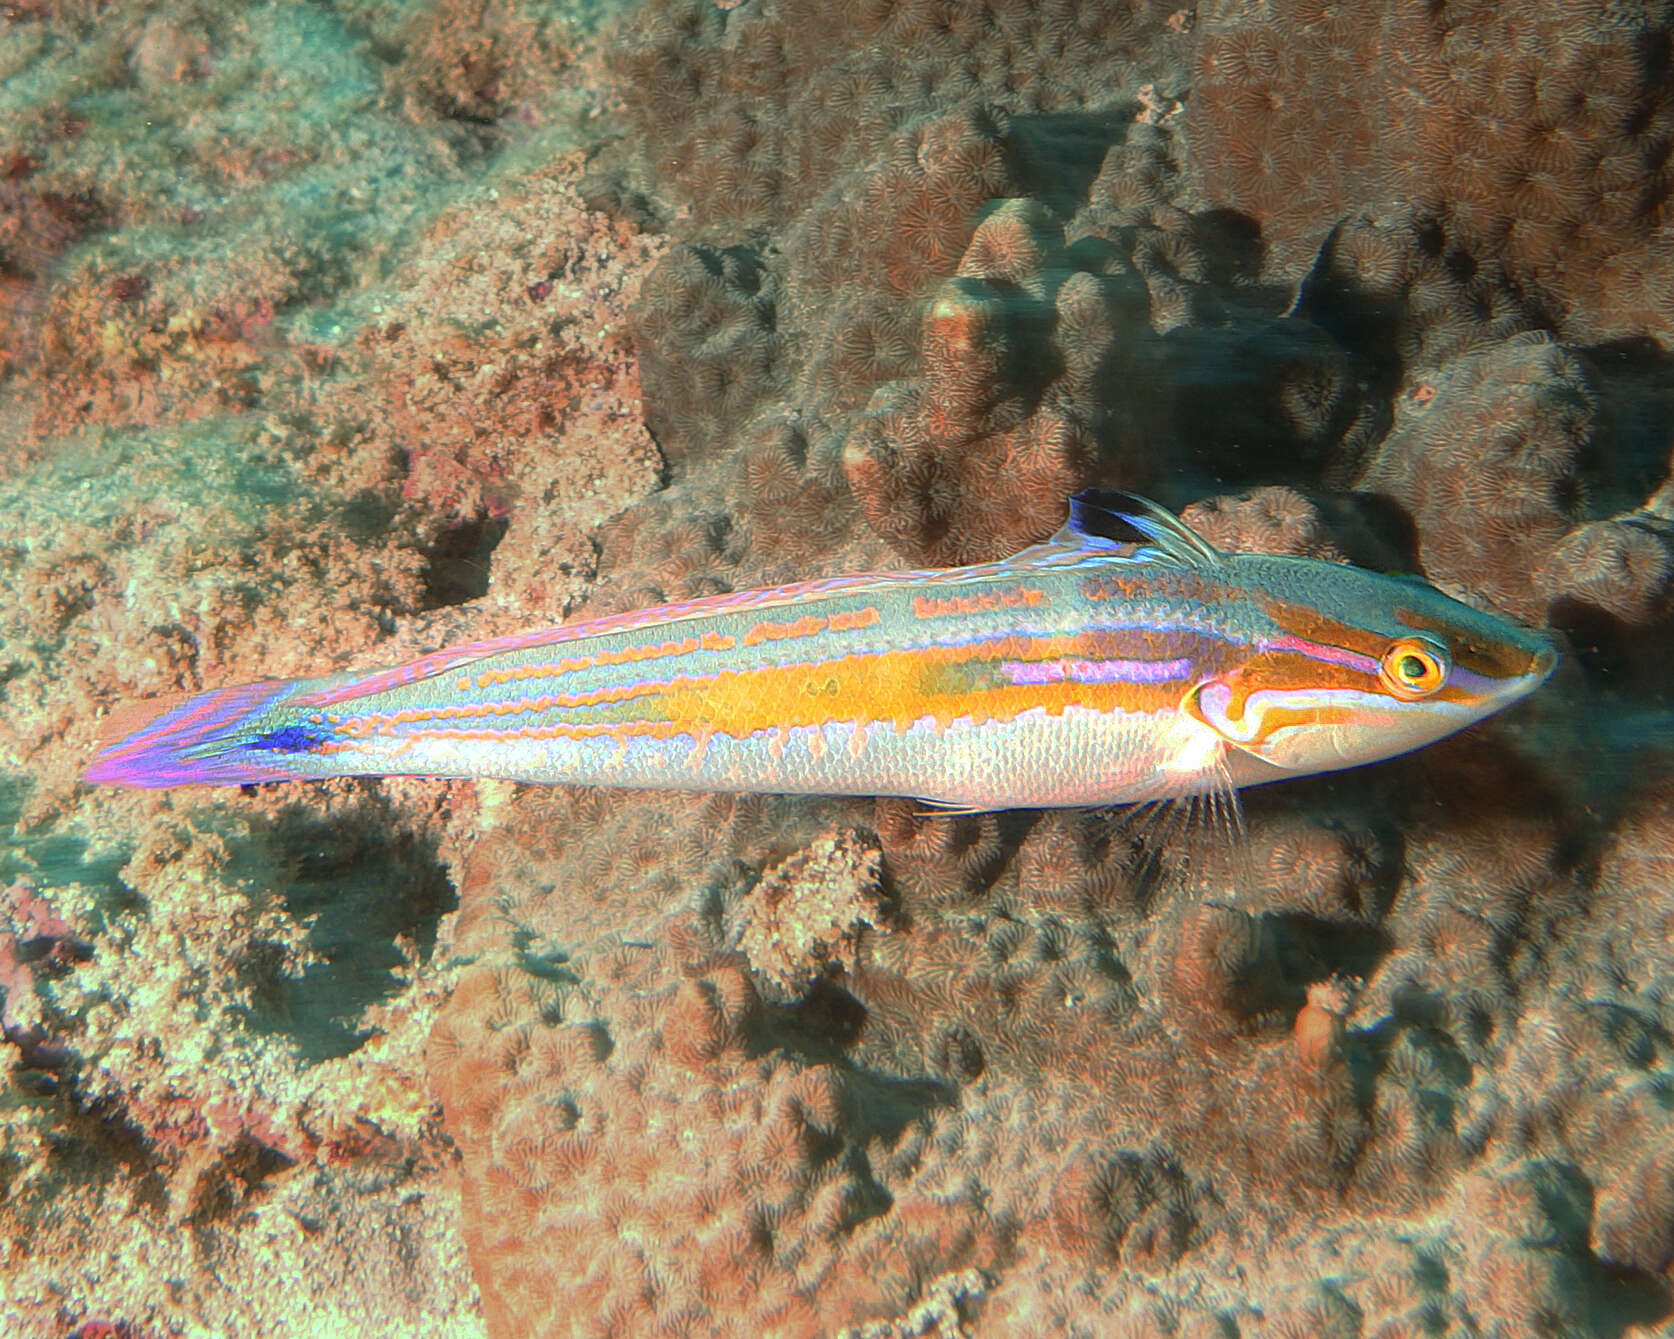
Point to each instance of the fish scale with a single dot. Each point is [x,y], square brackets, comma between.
[1080,671]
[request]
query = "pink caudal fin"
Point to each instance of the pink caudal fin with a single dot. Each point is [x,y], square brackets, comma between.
[208,739]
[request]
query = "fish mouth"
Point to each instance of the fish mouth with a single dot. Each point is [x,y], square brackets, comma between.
[1543,659]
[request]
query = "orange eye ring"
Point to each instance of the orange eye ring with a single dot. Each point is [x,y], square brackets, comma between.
[1413,668]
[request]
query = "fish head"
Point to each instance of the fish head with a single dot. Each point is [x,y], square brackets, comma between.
[1354,666]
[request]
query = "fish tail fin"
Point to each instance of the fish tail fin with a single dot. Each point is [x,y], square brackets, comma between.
[223,737]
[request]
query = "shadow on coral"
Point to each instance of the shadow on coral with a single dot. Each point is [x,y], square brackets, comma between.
[1634,384]
[818,1029]
[1055,158]
[362,884]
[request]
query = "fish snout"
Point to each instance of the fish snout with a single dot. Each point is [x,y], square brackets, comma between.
[1530,662]
[1543,659]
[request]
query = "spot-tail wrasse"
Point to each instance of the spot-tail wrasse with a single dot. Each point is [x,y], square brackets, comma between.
[1081,671]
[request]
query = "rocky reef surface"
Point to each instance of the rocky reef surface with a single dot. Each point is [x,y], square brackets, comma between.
[330,336]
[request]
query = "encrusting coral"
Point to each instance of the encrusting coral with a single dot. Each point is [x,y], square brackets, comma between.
[1074,1064]
[1542,135]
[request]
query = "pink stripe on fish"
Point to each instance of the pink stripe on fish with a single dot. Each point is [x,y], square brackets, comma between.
[453,657]
[1331,655]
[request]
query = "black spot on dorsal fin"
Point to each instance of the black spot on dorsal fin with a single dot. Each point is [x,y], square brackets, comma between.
[1109,516]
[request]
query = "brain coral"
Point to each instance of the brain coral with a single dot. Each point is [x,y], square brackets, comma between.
[993,1090]
[629,1106]
[705,327]
[882,172]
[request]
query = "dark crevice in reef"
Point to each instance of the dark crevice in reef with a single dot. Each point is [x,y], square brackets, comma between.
[458,569]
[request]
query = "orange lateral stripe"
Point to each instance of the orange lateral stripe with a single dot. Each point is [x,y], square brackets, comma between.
[942,606]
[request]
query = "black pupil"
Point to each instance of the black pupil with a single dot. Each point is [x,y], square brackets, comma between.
[1412,667]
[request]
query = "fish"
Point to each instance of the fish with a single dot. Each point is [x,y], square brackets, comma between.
[1088,670]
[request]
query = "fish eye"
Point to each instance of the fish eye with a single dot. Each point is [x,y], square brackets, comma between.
[1414,668]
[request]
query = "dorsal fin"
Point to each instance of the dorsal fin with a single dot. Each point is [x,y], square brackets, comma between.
[1160,530]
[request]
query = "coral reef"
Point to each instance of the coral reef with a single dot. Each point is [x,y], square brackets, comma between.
[186,1025]
[506,340]
[1542,135]
[1091,1063]
[338,335]
[717,307]
[748,113]
[279,375]
[1048,1074]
